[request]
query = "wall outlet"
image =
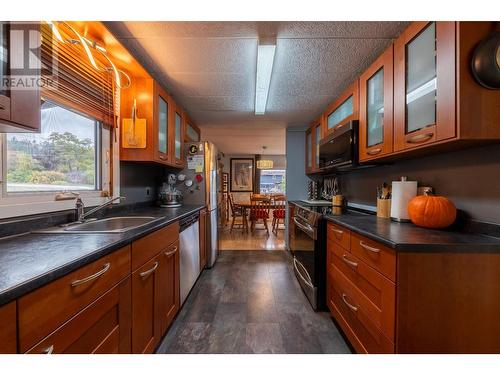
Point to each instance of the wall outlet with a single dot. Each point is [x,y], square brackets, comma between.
[148,191]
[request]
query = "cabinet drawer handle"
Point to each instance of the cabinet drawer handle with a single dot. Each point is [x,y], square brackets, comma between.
[374,151]
[48,350]
[338,231]
[369,248]
[2,107]
[349,262]
[420,138]
[352,307]
[162,157]
[149,272]
[168,253]
[92,277]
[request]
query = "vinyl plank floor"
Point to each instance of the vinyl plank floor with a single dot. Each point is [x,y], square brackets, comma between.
[251,302]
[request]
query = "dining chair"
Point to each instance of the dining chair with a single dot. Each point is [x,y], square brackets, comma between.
[259,210]
[237,212]
[279,209]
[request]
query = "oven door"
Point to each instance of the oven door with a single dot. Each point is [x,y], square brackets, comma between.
[302,242]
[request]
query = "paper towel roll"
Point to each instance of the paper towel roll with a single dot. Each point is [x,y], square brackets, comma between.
[402,193]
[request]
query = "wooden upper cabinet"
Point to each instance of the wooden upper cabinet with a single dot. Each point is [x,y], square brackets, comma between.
[178,135]
[375,108]
[165,124]
[345,108]
[20,109]
[193,133]
[8,329]
[309,150]
[424,85]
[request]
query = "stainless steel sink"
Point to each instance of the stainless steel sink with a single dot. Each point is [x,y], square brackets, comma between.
[118,224]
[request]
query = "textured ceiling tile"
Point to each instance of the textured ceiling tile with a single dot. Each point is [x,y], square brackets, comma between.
[202,84]
[202,55]
[209,68]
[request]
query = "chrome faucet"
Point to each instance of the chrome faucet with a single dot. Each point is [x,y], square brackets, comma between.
[79,206]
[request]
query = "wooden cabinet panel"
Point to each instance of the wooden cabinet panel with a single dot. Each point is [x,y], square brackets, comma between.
[375,255]
[149,246]
[47,308]
[146,319]
[102,327]
[313,138]
[339,235]
[448,303]
[374,286]
[358,313]
[8,329]
[308,148]
[203,234]
[440,83]
[375,108]
[169,297]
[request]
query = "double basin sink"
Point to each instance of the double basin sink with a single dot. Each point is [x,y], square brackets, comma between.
[110,225]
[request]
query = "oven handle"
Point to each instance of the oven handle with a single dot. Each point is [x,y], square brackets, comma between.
[305,227]
[308,282]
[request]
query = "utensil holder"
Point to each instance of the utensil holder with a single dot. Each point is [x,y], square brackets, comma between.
[337,200]
[384,208]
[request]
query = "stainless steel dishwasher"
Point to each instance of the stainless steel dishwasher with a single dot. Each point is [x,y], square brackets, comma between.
[189,237]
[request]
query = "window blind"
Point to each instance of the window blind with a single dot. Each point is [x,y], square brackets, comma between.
[77,84]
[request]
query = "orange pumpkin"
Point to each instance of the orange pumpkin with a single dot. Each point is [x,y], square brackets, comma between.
[431,211]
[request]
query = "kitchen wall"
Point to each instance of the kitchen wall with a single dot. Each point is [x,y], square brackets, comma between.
[137,178]
[470,178]
[296,178]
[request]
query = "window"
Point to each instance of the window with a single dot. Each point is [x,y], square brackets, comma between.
[272,181]
[65,155]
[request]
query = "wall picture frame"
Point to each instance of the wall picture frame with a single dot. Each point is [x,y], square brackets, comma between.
[242,175]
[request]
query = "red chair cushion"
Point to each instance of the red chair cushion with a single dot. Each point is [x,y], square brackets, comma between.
[259,214]
[279,214]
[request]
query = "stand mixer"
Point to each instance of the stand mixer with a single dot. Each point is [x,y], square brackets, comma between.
[169,195]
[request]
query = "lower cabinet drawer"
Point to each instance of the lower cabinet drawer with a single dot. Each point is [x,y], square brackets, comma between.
[103,327]
[355,313]
[44,310]
[378,256]
[149,246]
[375,287]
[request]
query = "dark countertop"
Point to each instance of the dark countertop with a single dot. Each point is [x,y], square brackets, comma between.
[407,236]
[32,260]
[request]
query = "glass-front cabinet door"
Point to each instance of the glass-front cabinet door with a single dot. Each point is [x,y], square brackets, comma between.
[309,158]
[178,138]
[192,132]
[4,71]
[162,128]
[424,84]
[317,140]
[343,109]
[375,112]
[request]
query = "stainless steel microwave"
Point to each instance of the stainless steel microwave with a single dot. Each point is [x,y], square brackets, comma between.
[339,150]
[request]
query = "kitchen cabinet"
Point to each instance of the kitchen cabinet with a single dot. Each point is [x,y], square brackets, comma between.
[169,279]
[375,108]
[193,133]
[155,287]
[313,138]
[424,85]
[46,309]
[8,329]
[102,328]
[203,236]
[146,315]
[179,130]
[20,109]
[309,150]
[165,124]
[411,302]
[344,109]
